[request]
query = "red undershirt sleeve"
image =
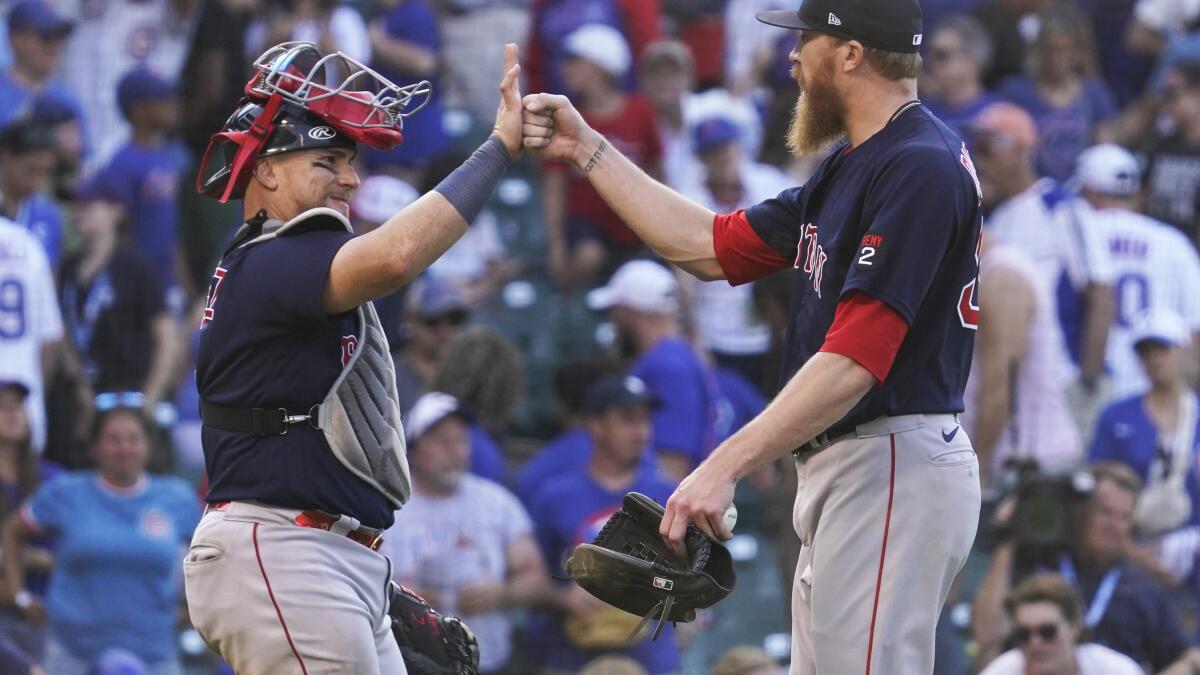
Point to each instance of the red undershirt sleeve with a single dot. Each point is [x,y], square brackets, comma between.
[741,253]
[868,331]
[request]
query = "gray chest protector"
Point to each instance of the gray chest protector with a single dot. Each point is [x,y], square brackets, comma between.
[360,415]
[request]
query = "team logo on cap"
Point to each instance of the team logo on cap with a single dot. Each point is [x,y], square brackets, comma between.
[321,133]
[833,20]
[917,39]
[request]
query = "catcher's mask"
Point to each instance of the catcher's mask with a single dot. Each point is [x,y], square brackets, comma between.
[301,100]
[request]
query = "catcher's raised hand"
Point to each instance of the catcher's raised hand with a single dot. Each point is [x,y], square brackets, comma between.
[554,129]
[509,114]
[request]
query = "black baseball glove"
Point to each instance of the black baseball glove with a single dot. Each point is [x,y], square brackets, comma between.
[430,643]
[630,567]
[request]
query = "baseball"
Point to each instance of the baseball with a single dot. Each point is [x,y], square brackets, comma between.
[730,518]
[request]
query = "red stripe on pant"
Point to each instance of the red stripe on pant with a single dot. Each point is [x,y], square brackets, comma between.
[278,613]
[887,522]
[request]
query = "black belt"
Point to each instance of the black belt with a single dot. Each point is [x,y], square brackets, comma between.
[254,421]
[821,441]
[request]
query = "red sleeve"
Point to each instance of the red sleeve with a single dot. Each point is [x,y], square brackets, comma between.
[867,330]
[742,254]
[641,24]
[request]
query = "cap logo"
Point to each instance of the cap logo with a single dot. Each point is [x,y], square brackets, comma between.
[917,39]
[321,133]
[833,20]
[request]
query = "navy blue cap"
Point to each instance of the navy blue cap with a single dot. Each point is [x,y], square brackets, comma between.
[714,132]
[39,17]
[142,85]
[618,391]
[14,385]
[892,25]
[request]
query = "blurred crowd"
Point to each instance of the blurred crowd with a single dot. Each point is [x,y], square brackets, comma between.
[548,364]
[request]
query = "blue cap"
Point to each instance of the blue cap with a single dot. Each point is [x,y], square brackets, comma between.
[142,85]
[39,17]
[617,391]
[714,132]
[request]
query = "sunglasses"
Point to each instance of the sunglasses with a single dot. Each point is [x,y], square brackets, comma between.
[452,319]
[1046,632]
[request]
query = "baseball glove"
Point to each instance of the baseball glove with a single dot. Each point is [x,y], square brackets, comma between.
[430,643]
[630,567]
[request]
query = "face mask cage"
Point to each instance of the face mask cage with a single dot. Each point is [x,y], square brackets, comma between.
[337,85]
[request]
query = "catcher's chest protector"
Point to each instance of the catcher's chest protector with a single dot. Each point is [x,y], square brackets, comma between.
[360,415]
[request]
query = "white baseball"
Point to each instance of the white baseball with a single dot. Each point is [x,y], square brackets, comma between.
[730,517]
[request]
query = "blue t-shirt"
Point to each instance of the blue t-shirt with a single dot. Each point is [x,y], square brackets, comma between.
[1125,433]
[1063,132]
[569,511]
[569,452]
[738,403]
[685,422]
[147,180]
[116,579]
[898,219]
[424,137]
[16,100]
[41,216]
[266,342]
[487,461]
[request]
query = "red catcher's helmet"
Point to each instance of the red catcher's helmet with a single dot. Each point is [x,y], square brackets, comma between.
[300,100]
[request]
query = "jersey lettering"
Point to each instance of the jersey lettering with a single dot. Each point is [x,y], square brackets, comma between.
[213,289]
[12,309]
[870,252]
[813,254]
[968,300]
[965,159]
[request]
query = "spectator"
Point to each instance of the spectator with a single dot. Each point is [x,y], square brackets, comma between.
[959,52]
[1156,22]
[110,39]
[1012,25]
[745,661]
[1126,610]
[637,22]
[584,235]
[27,154]
[31,328]
[726,323]
[571,509]
[329,24]
[115,589]
[145,173]
[1173,173]
[36,33]
[642,298]
[1016,404]
[1048,632]
[406,49]
[114,308]
[1155,434]
[1154,266]
[1024,214]
[474,30]
[483,370]
[462,542]
[700,24]
[1125,71]
[749,42]
[1061,90]
[613,665]
[69,146]
[435,312]
[20,475]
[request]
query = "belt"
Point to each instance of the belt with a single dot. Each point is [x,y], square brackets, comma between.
[880,426]
[820,442]
[254,421]
[367,536]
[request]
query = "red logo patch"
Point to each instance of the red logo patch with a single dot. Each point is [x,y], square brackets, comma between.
[349,345]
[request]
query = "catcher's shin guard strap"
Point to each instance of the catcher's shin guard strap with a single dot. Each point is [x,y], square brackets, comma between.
[468,187]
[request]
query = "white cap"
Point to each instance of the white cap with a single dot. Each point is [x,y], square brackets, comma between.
[1108,169]
[643,285]
[427,412]
[602,45]
[1161,325]
[381,197]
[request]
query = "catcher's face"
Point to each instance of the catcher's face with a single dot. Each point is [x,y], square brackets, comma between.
[308,179]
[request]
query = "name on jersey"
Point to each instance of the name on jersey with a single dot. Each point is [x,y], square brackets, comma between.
[811,256]
[870,251]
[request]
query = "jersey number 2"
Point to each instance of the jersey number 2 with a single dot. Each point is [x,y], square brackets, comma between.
[968,300]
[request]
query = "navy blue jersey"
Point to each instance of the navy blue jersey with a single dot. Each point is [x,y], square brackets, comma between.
[266,342]
[898,219]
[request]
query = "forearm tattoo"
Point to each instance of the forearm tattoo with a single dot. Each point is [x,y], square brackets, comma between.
[595,157]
